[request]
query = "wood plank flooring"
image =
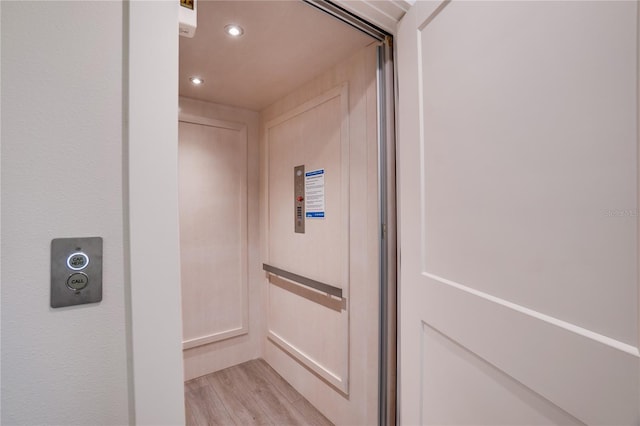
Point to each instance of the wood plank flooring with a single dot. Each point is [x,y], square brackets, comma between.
[251,393]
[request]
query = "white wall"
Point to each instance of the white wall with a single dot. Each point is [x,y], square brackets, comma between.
[152,157]
[62,177]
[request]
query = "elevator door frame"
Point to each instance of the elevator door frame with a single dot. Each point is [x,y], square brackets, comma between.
[387,258]
[151,78]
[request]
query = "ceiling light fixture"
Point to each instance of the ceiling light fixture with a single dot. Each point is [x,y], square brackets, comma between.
[234,30]
[196,81]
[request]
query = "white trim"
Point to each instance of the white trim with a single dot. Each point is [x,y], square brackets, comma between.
[214,337]
[151,212]
[385,15]
[211,122]
[308,361]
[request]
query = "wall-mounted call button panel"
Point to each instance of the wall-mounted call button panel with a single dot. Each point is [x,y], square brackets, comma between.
[76,271]
[298,199]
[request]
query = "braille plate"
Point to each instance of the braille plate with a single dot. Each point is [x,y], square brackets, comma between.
[298,199]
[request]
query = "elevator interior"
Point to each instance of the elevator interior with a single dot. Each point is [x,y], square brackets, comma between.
[295,91]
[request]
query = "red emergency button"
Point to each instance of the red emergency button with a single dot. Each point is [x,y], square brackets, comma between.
[300,198]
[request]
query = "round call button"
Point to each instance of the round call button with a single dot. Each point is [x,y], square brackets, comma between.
[77,261]
[77,281]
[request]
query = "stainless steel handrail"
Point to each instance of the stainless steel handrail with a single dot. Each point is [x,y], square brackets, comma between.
[299,279]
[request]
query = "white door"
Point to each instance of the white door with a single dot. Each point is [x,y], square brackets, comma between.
[518,190]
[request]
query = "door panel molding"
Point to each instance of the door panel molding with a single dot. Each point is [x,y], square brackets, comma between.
[216,335]
[567,326]
[501,400]
[472,274]
[337,375]
[551,360]
[308,361]
[517,152]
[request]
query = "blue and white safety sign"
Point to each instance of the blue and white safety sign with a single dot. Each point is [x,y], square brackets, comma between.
[314,193]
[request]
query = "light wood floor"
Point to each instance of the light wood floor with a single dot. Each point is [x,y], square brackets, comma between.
[251,393]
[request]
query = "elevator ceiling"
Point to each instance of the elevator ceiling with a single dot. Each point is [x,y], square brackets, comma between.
[285,44]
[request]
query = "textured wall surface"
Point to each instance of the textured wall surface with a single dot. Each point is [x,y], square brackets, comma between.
[61,177]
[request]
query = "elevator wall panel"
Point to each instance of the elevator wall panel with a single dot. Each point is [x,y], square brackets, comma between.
[218,238]
[326,350]
[315,135]
[212,164]
[309,136]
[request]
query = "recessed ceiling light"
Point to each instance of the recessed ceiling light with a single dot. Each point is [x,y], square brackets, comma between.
[196,81]
[234,30]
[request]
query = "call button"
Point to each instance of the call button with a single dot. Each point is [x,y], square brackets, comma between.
[77,281]
[77,261]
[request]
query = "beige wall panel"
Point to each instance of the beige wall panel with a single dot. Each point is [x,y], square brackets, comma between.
[311,138]
[212,164]
[317,329]
[318,336]
[315,135]
[219,239]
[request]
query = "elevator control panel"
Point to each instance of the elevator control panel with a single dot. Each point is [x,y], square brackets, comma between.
[298,198]
[76,271]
